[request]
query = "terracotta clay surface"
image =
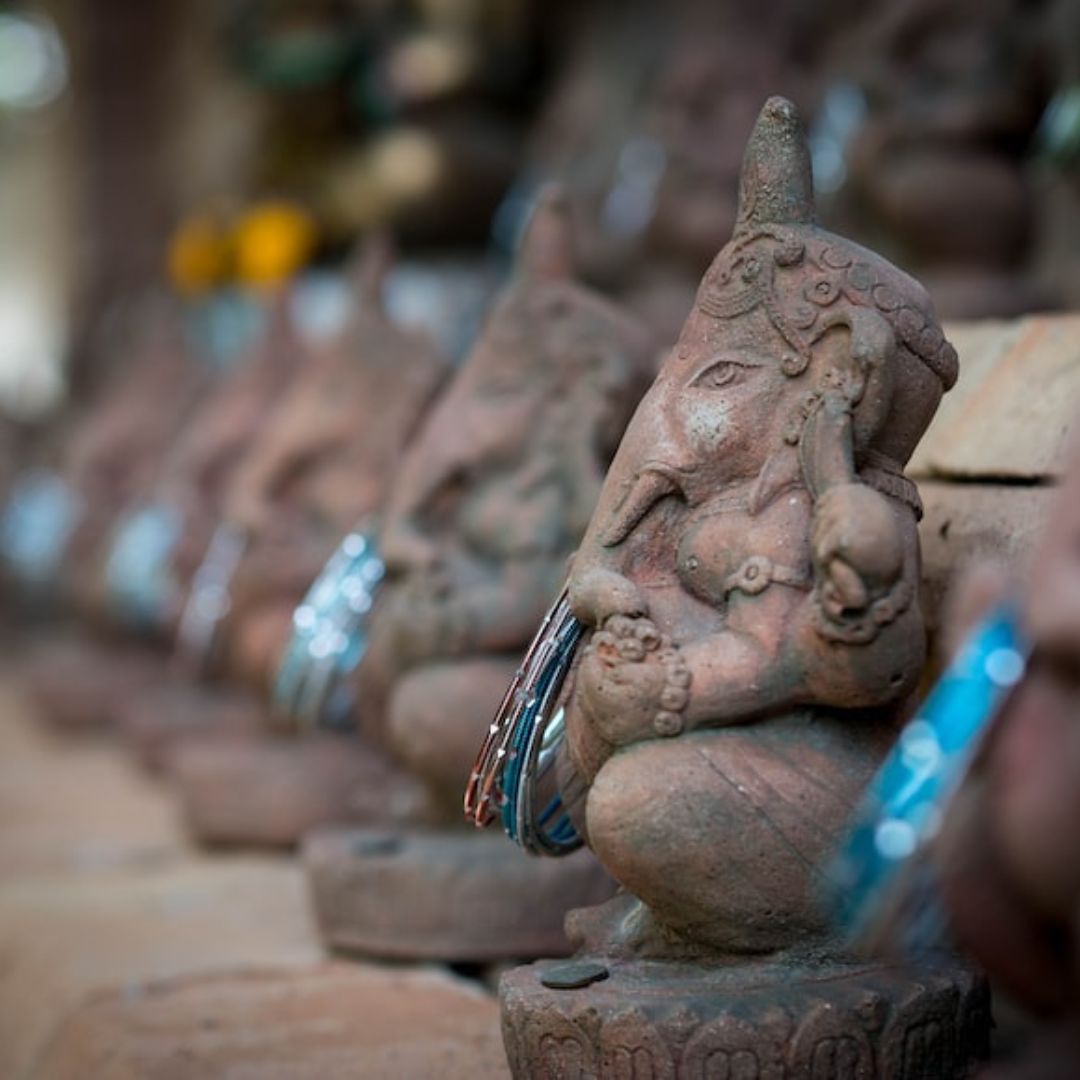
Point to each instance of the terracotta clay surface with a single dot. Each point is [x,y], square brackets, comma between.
[115,447]
[751,573]
[322,463]
[443,895]
[271,790]
[967,523]
[127,955]
[770,1021]
[483,514]
[749,589]
[952,91]
[1006,853]
[490,502]
[79,683]
[333,1021]
[157,719]
[1014,404]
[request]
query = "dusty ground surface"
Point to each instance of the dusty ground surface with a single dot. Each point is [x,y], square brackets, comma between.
[125,953]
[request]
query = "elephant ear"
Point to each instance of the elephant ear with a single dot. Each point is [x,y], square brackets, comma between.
[776,185]
[546,249]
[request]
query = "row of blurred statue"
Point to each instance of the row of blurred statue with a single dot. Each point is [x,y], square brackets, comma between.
[944,132]
[313,565]
[644,540]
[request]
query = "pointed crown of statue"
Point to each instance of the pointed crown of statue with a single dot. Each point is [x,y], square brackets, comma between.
[807,280]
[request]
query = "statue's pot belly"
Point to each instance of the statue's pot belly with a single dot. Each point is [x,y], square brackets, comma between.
[755,807]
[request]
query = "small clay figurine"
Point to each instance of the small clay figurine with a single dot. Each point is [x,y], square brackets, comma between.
[490,500]
[323,462]
[114,453]
[747,590]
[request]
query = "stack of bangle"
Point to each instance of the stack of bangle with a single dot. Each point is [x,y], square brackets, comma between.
[329,637]
[882,888]
[141,584]
[208,602]
[37,524]
[514,773]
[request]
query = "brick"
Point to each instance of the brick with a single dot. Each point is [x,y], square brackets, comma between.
[1009,415]
[968,522]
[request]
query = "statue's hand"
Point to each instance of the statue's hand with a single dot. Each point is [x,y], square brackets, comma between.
[858,548]
[598,595]
[632,684]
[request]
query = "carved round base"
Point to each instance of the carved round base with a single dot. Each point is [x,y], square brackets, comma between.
[157,720]
[766,1021]
[77,683]
[268,791]
[451,895]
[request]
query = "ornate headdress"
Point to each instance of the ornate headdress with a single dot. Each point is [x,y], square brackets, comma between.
[807,280]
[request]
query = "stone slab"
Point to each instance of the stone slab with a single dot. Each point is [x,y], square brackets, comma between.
[1010,413]
[268,791]
[333,1021]
[454,895]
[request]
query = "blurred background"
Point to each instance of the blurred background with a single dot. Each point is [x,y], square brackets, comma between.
[244,246]
[141,143]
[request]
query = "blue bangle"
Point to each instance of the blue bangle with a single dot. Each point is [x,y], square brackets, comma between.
[514,773]
[878,885]
[329,637]
[209,602]
[37,525]
[138,573]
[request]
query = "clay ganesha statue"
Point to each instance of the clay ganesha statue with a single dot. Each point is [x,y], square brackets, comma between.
[490,501]
[747,585]
[324,463]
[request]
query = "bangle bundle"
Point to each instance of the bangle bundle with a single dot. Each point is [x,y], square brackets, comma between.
[37,525]
[208,602]
[329,637]
[138,572]
[514,775]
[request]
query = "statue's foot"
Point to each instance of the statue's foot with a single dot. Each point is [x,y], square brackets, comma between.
[624,928]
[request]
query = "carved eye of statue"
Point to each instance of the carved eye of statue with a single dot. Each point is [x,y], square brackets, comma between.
[717,376]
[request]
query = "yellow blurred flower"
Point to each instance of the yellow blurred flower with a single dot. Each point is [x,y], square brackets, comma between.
[272,240]
[198,255]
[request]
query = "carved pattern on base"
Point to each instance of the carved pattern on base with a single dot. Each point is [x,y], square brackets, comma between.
[853,1023]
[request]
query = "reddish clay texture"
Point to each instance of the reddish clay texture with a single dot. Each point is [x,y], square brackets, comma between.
[750,578]
[196,471]
[323,462]
[491,500]
[116,447]
[766,1020]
